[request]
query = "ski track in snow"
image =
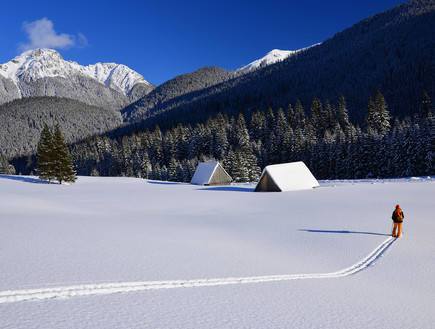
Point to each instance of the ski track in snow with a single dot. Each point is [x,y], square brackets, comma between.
[12,296]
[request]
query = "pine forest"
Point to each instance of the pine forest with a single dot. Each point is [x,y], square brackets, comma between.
[327,141]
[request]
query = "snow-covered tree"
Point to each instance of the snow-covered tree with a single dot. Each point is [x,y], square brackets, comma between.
[5,167]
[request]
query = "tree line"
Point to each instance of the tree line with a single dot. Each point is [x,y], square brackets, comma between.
[327,141]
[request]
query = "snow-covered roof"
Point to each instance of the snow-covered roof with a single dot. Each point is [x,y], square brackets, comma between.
[290,176]
[204,173]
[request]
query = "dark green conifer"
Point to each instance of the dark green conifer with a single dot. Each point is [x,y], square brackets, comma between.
[45,155]
[63,168]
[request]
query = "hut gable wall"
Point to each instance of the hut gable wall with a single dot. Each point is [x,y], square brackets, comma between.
[220,177]
[266,183]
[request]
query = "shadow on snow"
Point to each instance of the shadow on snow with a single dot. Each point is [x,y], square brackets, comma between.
[227,188]
[24,179]
[163,182]
[343,232]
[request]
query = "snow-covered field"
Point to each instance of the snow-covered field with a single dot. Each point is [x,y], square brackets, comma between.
[131,253]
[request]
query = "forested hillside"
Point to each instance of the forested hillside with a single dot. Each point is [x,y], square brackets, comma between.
[392,51]
[327,142]
[22,120]
[182,89]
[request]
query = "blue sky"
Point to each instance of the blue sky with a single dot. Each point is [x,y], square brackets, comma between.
[162,39]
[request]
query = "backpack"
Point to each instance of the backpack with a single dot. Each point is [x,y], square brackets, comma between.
[398,214]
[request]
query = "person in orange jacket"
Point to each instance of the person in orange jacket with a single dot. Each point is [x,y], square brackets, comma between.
[397,218]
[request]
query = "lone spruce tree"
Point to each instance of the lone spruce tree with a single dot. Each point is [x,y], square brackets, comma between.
[45,155]
[63,168]
[54,160]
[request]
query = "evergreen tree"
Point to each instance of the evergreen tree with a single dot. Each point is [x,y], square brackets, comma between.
[242,134]
[45,155]
[63,167]
[291,116]
[126,160]
[270,119]
[5,167]
[271,152]
[299,115]
[371,117]
[145,166]
[378,118]
[383,117]
[241,171]
[156,145]
[317,117]
[328,116]
[230,162]
[182,145]
[172,169]
[428,145]
[258,126]
[220,140]
[343,115]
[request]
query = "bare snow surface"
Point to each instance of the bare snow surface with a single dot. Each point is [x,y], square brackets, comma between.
[131,253]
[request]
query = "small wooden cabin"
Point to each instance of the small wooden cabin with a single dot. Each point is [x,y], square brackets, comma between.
[286,177]
[210,173]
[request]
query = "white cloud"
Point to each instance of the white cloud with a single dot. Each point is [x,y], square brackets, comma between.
[83,42]
[41,34]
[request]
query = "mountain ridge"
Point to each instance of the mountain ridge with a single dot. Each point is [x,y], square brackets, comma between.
[43,72]
[172,92]
[22,120]
[390,51]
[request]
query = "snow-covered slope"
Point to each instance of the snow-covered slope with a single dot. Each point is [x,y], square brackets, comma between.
[272,57]
[130,253]
[44,64]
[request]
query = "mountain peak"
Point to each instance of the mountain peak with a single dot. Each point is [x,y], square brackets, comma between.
[40,52]
[273,56]
[42,63]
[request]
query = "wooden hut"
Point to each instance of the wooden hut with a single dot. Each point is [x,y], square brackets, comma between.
[210,173]
[286,177]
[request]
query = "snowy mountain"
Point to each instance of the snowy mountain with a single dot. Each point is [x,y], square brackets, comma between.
[272,57]
[43,72]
